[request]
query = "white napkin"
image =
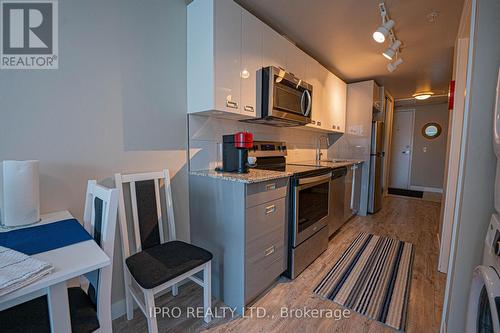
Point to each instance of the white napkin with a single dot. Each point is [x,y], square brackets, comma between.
[18,270]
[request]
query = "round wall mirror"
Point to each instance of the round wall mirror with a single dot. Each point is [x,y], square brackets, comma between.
[431,130]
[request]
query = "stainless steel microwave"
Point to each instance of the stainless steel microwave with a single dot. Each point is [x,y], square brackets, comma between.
[285,99]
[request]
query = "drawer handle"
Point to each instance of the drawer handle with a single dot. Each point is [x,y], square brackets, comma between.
[231,104]
[269,251]
[270,187]
[313,122]
[248,108]
[319,123]
[270,209]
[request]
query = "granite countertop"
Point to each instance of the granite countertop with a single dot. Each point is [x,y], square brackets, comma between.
[253,176]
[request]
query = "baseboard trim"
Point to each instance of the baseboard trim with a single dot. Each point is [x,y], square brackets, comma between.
[118,309]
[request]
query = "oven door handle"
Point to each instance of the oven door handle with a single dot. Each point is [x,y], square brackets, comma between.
[316,179]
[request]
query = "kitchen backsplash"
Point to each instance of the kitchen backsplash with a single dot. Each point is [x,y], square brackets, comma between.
[205,136]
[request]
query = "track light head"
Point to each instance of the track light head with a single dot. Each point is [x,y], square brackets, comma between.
[391,67]
[383,31]
[390,52]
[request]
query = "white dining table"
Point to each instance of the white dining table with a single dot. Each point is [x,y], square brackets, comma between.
[69,262]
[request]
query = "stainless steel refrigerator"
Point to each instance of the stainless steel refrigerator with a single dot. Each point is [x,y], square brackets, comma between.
[376,168]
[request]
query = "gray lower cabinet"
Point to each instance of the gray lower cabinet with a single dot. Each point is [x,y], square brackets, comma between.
[244,226]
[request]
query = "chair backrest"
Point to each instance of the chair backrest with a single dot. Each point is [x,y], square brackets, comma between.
[147,217]
[99,219]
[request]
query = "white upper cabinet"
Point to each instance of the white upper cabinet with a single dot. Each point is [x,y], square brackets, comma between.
[274,48]
[316,76]
[336,96]
[227,55]
[251,61]
[296,61]
[279,52]
[339,93]
[226,48]
[214,57]
[329,98]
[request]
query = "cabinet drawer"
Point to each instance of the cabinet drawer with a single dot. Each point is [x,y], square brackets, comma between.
[265,257]
[266,191]
[266,247]
[262,220]
[263,270]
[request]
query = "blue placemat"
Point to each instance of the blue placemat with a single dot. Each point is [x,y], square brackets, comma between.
[45,237]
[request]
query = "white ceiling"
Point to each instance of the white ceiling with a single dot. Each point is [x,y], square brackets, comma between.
[338,33]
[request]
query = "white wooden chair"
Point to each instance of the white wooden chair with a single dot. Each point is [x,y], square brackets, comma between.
[155,262]
[90,310]
[99,219]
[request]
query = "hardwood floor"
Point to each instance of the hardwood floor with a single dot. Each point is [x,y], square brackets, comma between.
[414,221]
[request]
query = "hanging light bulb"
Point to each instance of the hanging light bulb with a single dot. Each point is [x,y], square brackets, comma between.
[390,52]
[383,31]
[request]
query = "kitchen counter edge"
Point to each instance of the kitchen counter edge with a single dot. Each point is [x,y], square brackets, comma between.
[253,176]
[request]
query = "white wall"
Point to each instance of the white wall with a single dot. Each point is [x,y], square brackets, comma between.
[477,168]
[428,158]
[117,103]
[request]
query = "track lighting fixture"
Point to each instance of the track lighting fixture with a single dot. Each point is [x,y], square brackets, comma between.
[391,67]
[390,52]
[383,31]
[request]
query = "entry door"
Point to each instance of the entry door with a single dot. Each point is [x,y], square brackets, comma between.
[401,150]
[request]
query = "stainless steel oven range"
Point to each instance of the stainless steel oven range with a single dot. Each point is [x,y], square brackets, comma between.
[309,196]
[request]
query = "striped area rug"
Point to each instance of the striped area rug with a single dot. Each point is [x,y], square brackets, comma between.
[372,277]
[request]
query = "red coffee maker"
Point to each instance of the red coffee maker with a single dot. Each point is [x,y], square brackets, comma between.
[235,151]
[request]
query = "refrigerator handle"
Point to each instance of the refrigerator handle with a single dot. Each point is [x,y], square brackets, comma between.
[353,186]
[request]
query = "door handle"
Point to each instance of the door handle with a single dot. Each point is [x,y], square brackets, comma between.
[407,152]
[270,187]
[270,250]
[270,209]
[306,109]
[231,104]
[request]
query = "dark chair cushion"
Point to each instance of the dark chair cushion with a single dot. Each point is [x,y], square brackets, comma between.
[33,316]
[161,263]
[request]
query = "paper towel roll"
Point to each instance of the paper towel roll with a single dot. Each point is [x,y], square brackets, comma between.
[20,193]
